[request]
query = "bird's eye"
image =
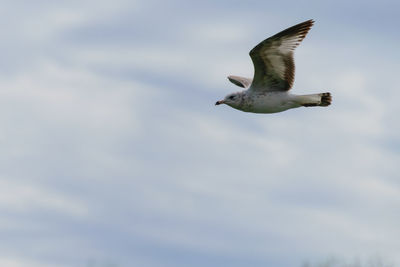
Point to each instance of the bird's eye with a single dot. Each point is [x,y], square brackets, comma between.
[231,97]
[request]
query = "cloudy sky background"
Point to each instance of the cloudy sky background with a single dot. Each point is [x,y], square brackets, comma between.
[113,153]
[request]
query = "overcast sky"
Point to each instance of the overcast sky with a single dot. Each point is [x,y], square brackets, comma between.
[113,153]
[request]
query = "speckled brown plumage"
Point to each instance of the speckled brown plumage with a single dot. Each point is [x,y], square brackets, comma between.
[273,58]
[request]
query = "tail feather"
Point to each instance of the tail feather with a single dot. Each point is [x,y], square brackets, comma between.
[322,100]
[326,99]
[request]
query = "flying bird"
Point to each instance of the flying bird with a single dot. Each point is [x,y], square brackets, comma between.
[268,91]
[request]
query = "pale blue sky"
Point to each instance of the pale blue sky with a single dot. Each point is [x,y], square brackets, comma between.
[113,153]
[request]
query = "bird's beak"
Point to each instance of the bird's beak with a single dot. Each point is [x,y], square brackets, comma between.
[220,102]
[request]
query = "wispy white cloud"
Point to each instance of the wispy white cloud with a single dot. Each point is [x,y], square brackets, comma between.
[22,198]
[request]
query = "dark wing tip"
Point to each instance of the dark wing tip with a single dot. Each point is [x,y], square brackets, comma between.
[305,27]
[311,21]
[301,29]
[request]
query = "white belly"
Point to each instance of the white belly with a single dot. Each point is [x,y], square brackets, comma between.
[270,102]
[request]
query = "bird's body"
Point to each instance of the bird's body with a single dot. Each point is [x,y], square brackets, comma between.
[268,91]
[276,101]
[272,102]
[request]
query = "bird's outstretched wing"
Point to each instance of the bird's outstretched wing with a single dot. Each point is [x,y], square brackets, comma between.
[240,81]
[273,59]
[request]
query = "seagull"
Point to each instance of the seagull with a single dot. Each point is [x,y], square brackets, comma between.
[268,91]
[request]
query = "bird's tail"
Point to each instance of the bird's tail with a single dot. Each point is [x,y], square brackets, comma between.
[322,100]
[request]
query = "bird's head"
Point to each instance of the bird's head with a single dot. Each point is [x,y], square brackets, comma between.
[234,100]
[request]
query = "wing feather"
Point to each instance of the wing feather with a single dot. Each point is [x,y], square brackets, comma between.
[273,58]
[240,81]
